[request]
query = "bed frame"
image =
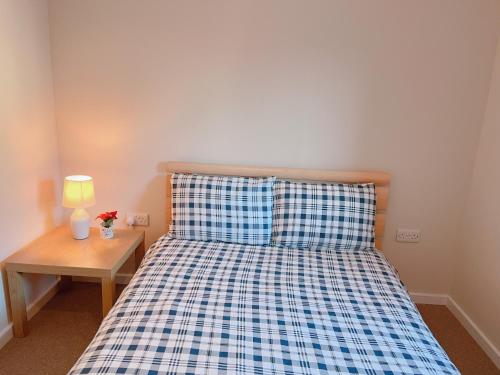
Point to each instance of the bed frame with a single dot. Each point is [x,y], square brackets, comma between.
[380,179]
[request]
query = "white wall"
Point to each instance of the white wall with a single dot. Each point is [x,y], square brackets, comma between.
[391,85]
[477,277]
[29,168]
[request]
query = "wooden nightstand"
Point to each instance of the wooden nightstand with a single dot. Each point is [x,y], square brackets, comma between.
[57,253]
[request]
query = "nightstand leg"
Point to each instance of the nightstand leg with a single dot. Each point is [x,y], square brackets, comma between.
[108,294]
[18,304]
[139,254]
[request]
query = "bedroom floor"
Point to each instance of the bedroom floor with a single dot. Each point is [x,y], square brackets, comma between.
[63,328]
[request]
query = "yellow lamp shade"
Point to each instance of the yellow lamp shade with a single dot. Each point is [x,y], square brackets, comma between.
[78,192]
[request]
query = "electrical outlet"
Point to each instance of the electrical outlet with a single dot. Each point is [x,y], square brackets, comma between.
[408,235]
[138,219]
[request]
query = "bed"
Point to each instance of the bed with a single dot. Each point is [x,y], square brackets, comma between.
[203,307]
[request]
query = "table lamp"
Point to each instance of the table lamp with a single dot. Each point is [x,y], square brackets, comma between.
[79,194]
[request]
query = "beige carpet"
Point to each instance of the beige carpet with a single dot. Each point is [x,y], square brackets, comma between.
[63,328]
[460,346]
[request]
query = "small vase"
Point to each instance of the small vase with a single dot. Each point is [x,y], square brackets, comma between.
[106,233]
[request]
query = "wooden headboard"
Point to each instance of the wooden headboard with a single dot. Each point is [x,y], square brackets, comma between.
[380,179]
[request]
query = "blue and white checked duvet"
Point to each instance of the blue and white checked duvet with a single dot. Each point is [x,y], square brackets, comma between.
[205,308]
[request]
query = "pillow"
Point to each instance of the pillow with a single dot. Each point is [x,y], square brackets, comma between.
[219,208]
[338,216]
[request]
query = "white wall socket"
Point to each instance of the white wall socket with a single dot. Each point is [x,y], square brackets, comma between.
[408,235]
[138,219]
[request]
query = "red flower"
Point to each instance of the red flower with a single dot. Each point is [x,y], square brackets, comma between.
[109,215]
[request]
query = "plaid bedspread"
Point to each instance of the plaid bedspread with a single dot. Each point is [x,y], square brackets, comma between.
[205,308]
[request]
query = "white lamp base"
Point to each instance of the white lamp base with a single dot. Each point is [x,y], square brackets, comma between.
[80,223]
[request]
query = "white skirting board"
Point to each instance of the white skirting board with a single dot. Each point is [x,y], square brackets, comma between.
[471,327]
[429,298]
[478,335]
[423,298]
[120,278]
[32,309]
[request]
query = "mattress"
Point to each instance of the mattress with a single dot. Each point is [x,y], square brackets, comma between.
[204,308]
